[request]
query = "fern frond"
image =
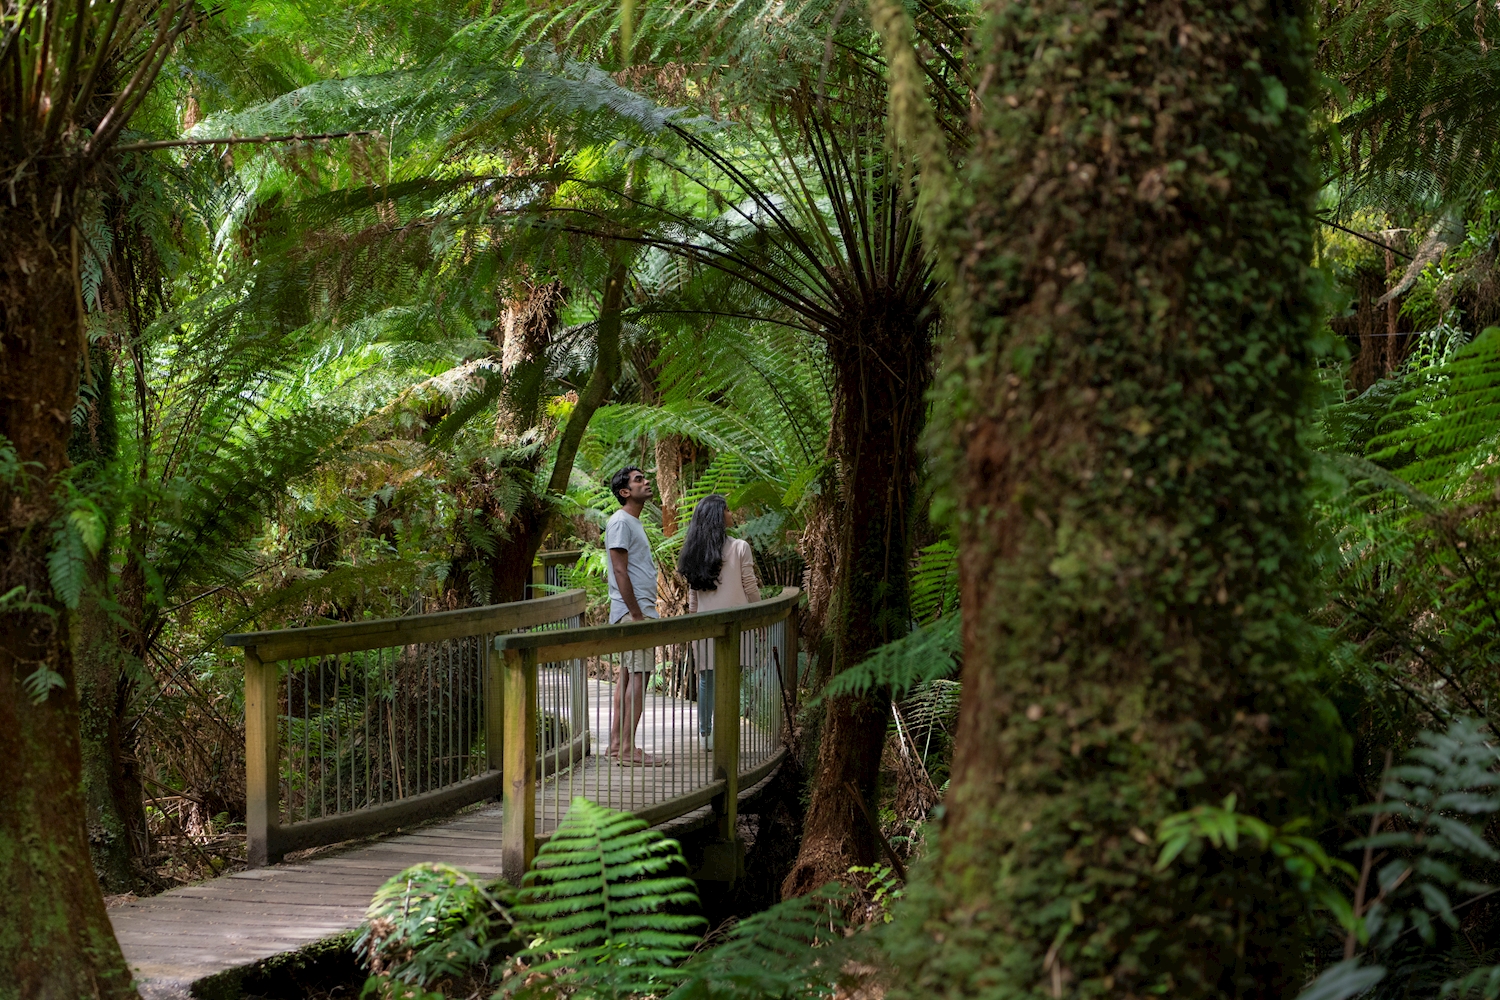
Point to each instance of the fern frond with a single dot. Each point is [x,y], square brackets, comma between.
[926,653]
[430,921]
[598,903]
[1447,424]
[791,951]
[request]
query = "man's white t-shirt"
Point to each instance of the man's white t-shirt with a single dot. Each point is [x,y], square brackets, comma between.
[625,531]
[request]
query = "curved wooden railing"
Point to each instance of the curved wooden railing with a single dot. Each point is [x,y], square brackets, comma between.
[358,729]
[754,656]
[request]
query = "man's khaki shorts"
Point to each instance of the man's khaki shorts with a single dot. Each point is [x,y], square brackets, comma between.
[638,661]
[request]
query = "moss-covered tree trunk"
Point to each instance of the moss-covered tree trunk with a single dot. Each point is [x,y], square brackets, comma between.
[1129,249]
[882,372]
[55,939]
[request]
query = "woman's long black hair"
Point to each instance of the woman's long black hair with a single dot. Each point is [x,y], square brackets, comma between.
[703,549]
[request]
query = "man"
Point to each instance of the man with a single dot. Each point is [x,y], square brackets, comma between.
[632,592]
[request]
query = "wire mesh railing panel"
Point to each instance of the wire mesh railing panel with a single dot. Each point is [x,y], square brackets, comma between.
[764,693]
[634,729]
[376,726]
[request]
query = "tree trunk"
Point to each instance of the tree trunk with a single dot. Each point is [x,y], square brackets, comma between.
[524,335]
[671,588]
[114,816]
[510,567]
[1129,251]
[882,371]
[55,939]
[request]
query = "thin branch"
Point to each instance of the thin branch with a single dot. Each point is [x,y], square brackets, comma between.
[102,50]
[1367,239]
[140,83]
[132,147]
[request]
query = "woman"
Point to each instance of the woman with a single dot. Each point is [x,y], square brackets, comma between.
[721,572]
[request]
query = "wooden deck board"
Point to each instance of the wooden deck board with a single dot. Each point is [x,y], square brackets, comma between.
[184,935]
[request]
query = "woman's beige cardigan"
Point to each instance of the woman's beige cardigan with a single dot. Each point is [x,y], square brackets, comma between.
[737,586]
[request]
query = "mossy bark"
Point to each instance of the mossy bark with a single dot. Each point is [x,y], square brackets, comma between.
[1129,251]
[114,815]
[55,939]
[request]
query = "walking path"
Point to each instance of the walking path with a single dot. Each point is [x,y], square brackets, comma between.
[186,935]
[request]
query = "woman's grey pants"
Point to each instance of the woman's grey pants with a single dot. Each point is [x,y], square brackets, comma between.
[705,703]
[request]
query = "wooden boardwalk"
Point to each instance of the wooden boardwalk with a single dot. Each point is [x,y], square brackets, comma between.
[185,935]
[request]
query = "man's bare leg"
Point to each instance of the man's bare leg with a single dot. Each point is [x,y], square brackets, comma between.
[635,704]
[617,715]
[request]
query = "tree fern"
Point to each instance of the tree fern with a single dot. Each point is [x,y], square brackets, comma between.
[1447,422]
[792,951]
[597,907]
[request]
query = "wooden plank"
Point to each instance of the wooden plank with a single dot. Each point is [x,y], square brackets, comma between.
[600,640]
[352,893]
[383,818]
[325,640]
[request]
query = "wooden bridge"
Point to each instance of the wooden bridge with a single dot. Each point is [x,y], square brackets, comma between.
[380,729]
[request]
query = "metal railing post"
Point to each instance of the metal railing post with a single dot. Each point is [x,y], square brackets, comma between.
[792,667]
[578,684]
[518,823]
[262,781]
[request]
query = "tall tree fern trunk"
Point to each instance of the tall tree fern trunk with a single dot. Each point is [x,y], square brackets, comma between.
[1129,250]
[510,567]
[55,939]
[882,369]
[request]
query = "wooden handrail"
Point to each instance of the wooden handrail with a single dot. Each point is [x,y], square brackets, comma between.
[520,655]
[509,710]
[325,640]
[558,556]
[266,840]
[599,640]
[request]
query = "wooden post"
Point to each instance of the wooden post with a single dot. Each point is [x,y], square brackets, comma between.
[262,780]
[518,823]
[494,707]
[727,728]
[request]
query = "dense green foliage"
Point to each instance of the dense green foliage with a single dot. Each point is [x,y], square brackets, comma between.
[601,914]
[1204,536]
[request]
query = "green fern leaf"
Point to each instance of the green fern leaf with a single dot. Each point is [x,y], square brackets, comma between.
[789,952]
[598,903]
